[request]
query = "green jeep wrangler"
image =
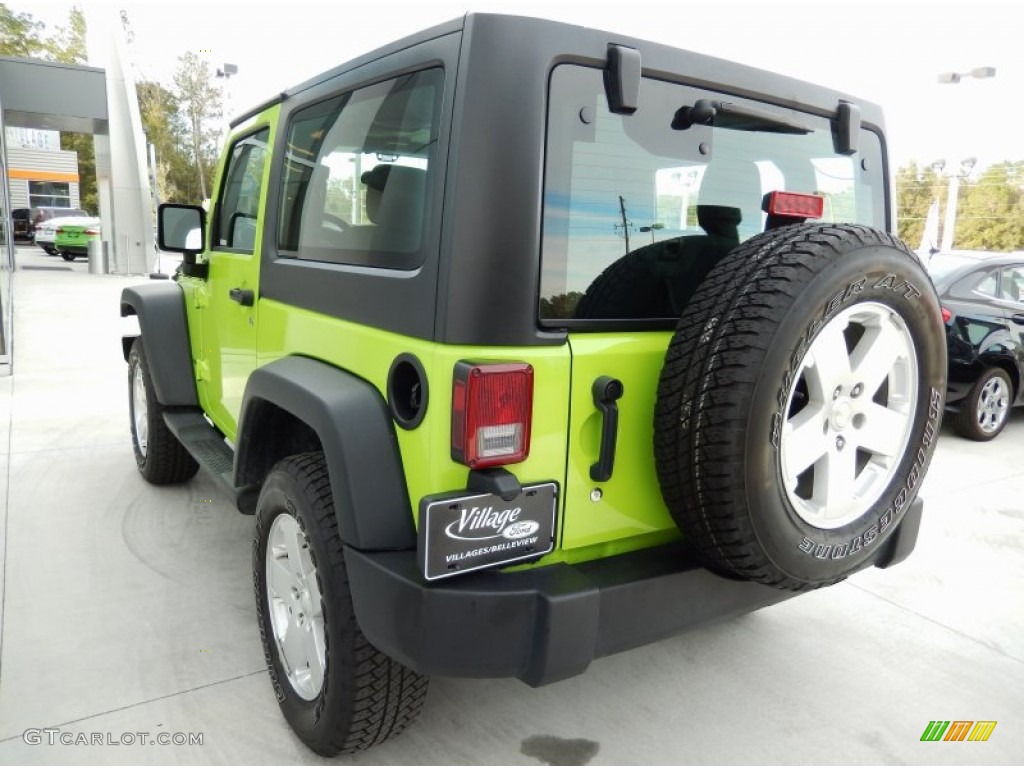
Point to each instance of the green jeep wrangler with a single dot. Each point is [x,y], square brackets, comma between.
[527,344]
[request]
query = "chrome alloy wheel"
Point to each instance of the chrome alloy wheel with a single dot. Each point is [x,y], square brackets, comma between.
[140,411]
[296,613]
[849,415]
[993,405]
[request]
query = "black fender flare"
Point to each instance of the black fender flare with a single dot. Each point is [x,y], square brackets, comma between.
[160,308]
[357,435]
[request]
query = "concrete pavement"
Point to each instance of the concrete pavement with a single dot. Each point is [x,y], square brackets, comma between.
[128,609]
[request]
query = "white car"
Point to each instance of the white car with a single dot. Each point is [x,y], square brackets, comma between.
[46,232]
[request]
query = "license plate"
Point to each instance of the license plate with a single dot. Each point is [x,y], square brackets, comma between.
[460,533]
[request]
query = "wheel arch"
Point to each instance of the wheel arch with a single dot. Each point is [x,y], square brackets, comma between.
[1010,369]
[297,404]
[1001,352]
[163,323]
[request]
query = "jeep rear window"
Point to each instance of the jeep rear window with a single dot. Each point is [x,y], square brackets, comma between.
[637,211]
[357,175]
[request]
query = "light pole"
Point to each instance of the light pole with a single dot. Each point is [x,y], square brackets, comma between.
[979,73]
[226,72]
[652,228]
[949,228]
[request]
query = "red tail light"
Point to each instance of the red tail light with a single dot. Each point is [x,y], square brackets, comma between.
[796,205]
[60,230]
[946,315]
[492,407]
[92,231]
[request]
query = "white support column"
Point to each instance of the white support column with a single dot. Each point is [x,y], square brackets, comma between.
[104,194]
[128,221]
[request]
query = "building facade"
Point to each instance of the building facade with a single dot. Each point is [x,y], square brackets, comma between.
[39,171]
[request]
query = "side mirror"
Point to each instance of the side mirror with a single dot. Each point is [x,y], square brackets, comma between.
[182,229]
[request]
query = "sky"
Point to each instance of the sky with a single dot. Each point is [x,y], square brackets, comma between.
[889,53]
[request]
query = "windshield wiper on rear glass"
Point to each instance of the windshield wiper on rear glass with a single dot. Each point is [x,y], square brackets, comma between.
[725,114]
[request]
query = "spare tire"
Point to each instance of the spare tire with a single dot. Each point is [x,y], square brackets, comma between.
[799,403]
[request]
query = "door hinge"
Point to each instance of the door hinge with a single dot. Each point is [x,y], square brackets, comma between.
[202,370]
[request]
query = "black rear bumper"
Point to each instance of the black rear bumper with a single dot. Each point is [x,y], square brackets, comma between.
[548,624]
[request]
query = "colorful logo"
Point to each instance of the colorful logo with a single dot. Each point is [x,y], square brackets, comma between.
[958,730]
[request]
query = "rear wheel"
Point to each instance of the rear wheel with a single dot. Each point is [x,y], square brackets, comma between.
[986,409]
[338,692]
[161,458]
[67,256]
[799,403]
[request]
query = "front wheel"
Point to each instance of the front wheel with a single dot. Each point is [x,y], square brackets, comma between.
[160,457]
[338,692]
[986,409]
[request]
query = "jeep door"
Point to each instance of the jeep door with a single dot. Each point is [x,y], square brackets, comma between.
[228,300]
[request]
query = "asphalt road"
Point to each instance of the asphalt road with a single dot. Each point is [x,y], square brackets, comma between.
[128,609]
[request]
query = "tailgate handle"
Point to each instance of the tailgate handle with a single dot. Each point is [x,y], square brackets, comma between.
[606,391]
[243,296]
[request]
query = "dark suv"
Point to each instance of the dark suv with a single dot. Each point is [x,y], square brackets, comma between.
[527,344]
[22,220]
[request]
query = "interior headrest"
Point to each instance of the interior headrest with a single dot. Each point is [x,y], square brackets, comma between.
[377,177]
[721,220]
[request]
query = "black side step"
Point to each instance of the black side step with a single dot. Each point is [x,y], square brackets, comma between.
[206,445]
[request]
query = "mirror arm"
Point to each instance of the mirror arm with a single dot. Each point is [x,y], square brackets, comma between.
[192,268]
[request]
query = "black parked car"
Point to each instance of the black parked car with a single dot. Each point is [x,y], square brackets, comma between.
[983,307]
[22,220]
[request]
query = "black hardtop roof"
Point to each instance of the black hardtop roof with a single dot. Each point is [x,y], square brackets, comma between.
[578,43]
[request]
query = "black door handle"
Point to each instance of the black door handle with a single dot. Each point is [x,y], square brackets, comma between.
[243,296]
[606,391]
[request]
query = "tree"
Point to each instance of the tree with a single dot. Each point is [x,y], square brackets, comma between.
[990,213]
[20,34]
[916,189]
[67,44]
[165,127]
[990,209]
[200,102]
[562,305]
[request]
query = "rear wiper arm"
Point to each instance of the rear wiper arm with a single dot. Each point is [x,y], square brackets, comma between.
[725,114]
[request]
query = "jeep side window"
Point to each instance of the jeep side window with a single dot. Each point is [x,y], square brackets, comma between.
[638,208]
[357,171]
[240,198]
